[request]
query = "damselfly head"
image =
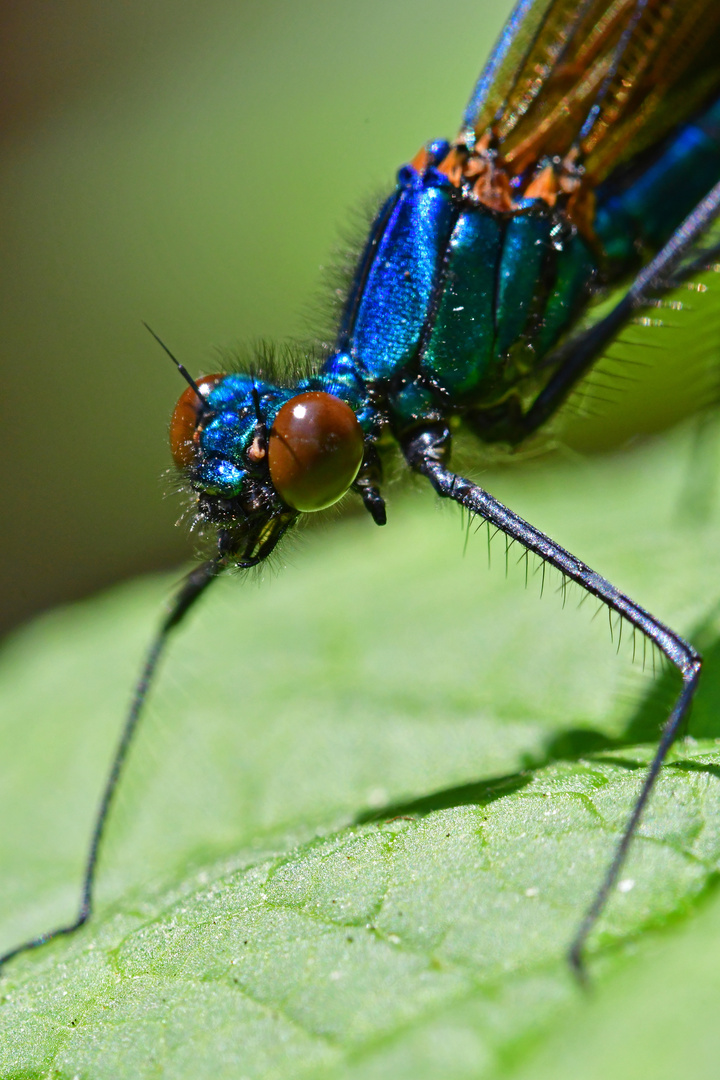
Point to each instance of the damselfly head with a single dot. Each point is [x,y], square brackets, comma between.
[257,455]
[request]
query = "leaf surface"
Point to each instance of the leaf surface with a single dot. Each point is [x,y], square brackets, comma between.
[370,801]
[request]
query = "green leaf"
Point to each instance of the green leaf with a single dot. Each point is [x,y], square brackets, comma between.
[369,802]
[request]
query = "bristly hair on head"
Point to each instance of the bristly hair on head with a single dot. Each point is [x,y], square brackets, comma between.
[280,363]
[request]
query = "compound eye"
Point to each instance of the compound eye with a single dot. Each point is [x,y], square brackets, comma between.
[184,422]
[315,450]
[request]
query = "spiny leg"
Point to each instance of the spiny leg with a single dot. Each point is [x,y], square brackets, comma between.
[425,452]
[192,588]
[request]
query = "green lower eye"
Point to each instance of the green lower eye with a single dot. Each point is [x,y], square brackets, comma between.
[315,450]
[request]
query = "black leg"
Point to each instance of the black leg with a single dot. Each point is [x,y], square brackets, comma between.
[425,452]
[193,587]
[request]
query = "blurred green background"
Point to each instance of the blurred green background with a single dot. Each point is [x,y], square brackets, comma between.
[191,164]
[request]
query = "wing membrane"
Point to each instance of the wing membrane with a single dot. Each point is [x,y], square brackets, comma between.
[639,372]
[605,77]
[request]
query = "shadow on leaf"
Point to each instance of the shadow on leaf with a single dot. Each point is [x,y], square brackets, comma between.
[479,794]
[642,728]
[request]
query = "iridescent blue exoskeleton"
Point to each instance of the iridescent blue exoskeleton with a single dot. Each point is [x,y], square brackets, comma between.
[589,156]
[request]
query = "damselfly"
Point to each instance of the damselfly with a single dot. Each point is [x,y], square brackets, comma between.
[588,157]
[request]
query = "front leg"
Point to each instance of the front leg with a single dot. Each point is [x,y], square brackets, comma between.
[426,452]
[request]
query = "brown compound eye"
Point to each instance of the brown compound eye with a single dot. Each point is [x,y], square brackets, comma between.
[184,422]
[315,450]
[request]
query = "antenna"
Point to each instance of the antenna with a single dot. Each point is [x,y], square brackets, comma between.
[181,368]
[255,393]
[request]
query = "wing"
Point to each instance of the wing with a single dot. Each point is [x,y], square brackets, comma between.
[638,386]
[600,80]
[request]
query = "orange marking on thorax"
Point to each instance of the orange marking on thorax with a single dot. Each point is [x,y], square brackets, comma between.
[487,176]
[420,162]
[453,165]
[544,186]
